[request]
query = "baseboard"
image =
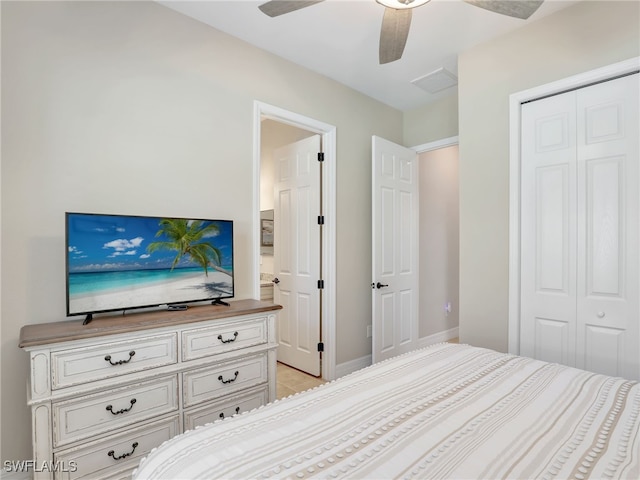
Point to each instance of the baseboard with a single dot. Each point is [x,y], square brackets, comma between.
[439,337]
[351,366]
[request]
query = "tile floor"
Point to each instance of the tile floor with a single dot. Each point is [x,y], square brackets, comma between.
[290,380]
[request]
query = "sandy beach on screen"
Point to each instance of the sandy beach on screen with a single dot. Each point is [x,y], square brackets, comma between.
[189,288]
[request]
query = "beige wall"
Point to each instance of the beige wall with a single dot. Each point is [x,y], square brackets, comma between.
[129,107]
[439,226]
[577,39]
[432,122]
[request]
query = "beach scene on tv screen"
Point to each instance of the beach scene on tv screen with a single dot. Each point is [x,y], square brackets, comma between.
[121,262]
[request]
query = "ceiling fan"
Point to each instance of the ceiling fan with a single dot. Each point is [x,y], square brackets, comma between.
[397,17]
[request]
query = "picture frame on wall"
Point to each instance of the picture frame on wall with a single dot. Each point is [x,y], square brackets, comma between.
[266,232]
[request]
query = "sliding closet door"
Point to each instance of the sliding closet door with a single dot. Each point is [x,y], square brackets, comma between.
[607,307]
[580,234]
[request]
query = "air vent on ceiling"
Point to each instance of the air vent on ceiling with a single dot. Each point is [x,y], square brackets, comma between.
[436,81]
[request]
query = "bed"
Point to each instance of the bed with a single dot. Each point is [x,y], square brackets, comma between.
[446,411]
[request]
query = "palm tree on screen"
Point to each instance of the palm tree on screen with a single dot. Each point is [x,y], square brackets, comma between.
[187,237]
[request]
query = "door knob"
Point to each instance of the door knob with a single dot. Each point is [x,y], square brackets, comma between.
[276,280]
[380,285]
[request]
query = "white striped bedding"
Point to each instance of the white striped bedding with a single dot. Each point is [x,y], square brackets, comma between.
[446,411]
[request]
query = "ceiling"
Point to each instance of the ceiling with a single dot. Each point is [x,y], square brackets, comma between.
[339,39]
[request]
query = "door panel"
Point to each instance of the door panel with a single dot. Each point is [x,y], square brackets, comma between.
[609,200]
[552,341]
[605,228]
[604,350]
[548,248]
[395,249]
[297,253]
[552,225]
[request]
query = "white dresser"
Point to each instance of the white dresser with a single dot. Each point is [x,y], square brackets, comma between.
[102,395]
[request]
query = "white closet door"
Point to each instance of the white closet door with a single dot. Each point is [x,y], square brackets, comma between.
[607,307]
[548,249]
[580,234]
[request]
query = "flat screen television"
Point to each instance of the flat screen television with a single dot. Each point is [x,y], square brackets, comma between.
[122,262]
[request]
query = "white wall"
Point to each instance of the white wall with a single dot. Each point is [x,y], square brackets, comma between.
[129,107]
[583,37]
[439,240]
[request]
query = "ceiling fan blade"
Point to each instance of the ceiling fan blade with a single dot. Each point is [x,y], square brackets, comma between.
[275,8]
[393,34]
[513,8]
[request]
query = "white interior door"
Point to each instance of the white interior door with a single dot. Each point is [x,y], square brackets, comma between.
[580,234]
[297,253]
[395,249]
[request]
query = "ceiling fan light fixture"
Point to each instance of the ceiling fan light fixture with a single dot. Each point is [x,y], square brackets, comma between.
[402,4]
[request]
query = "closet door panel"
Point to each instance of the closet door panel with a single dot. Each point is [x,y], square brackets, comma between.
[605,350]
[608,332]
[605,227]
[548,253]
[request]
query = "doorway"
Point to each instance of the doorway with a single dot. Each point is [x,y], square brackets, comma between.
[274,127]
[439,215]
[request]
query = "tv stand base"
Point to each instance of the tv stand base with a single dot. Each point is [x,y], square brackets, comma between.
[177,307]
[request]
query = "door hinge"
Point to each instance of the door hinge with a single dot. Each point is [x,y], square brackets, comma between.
[321,156]
[320,219]
[320,284]
[321,347]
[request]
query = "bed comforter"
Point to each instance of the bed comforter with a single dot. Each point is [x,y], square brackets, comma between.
[446,411]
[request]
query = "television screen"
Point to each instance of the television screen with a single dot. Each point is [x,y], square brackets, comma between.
[120,262]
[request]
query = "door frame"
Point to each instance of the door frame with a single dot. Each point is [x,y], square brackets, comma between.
[328,138]
[515,101]
[437,144]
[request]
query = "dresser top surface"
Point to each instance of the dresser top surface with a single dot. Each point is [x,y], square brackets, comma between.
[69,330]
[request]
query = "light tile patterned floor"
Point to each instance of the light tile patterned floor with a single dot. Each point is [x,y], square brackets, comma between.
[290,381]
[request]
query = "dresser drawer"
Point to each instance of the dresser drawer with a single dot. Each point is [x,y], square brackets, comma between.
[117,455]
[85,416]
[208,383]
[87,364]
[204,342]
[227,407]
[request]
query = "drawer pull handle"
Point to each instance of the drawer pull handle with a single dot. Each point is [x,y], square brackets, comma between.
[229,340]
[229,380]
[237,411]
[124,455]
[124,410]
[120,362]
